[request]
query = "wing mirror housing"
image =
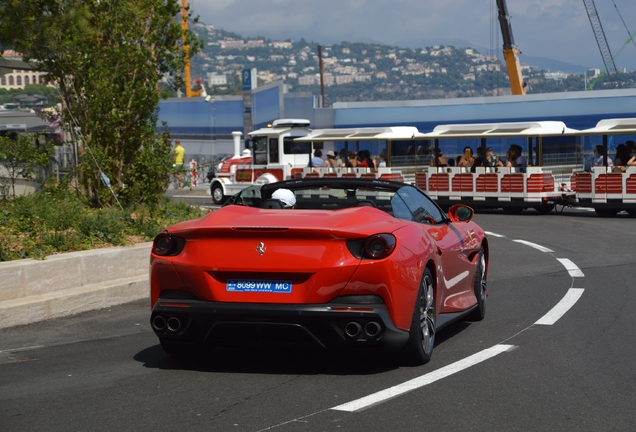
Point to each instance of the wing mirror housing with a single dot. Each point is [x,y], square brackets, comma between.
[460,213]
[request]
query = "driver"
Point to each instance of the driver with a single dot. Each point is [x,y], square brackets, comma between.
[285,196]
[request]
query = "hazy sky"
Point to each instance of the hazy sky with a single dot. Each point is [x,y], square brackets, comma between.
[558,29]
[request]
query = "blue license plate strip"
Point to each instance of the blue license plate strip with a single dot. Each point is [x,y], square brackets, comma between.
[279,287]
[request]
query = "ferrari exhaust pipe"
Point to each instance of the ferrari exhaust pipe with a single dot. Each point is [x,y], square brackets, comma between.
[372,329]
[159,323]
[353,329]
[174,324]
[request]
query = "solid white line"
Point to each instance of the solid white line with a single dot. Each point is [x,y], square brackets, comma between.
[571,267]
[570,298]
[534,245]
[423,380]
[494,234]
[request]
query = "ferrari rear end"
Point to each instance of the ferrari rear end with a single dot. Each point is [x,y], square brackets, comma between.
[248,276]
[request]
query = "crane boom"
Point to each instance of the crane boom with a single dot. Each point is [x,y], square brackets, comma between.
[599,34]
[510,51]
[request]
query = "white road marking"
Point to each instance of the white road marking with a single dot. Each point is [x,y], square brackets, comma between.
[571,267]
[494,234]
[534,245]
[570,298]
[400,389]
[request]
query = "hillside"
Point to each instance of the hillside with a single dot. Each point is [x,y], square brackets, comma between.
[367,72]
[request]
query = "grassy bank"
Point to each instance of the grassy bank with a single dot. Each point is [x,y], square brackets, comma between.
[55,221]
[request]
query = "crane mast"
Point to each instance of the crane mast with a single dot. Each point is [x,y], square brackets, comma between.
[599,34]
[186,50]
[510,51]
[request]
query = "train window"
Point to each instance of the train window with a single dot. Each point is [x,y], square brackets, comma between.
[292,147]
[273,150]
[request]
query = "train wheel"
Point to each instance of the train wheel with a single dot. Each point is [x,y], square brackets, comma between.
[217,194]
[544,209]
[512,210]
[606,212]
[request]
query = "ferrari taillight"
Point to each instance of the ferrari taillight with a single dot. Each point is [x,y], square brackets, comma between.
[164,244]
[379,246]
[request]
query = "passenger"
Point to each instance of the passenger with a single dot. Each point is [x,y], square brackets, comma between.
[466,160]
[514,158]
[316,161]
[380,161]
[492,160]
[350,161]
[597,159]
[621,158]
[631,148]
[438,159]
[286,197]
[331,162]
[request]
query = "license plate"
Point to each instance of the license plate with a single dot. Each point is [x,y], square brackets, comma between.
[282,287]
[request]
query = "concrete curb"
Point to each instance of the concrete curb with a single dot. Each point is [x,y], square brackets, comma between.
[66,284]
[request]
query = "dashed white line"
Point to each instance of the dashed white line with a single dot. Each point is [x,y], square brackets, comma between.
[391,392]
[570,298]
[571,267]
[494,234]
[534,245]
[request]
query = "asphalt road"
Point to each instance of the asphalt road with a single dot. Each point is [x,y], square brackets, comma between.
[568,370]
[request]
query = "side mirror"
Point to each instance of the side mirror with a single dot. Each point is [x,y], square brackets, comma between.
[460,213]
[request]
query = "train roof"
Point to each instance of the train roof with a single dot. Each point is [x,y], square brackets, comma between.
[613,127]
[506,129]
[363,134]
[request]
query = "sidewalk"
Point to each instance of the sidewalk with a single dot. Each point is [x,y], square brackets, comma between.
[66,284]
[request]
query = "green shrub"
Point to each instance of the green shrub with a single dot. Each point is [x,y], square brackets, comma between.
[54,220]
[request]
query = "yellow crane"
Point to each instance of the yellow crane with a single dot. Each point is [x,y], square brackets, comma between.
[186,49]
[510,51]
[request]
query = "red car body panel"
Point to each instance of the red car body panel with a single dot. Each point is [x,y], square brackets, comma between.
[221,246]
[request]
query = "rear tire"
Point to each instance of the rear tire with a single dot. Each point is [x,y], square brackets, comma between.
[419,347]
[481,288]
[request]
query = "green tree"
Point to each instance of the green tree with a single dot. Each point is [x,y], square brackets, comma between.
[23,158]
[107,57]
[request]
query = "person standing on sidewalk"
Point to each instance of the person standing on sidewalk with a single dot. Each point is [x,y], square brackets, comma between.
[179,155]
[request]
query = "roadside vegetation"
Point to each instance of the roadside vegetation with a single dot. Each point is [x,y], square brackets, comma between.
[53,220]
[106,58]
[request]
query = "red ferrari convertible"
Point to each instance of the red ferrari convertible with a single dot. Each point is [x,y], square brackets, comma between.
[333,262]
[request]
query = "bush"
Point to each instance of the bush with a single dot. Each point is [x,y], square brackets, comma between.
[54,220]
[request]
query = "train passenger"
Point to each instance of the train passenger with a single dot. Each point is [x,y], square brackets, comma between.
[466,160]
[331,162]
[597,159]
[621,158]
[317,161]
[438,159]
[492,160]
[350,161]
[514,158]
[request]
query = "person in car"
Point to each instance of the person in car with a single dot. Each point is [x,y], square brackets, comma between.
[286,197]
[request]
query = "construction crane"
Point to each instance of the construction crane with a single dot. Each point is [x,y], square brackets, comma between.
[510,51]
[186,49]
[599,34]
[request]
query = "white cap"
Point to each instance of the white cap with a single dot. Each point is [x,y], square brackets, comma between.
[286,196]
